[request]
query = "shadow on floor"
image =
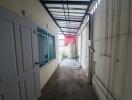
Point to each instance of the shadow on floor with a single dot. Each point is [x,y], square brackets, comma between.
[68,83]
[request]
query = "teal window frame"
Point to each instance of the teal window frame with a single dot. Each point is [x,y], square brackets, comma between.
[46,47]
[51,47]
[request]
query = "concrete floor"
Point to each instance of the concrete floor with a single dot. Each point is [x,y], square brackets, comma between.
[68,83]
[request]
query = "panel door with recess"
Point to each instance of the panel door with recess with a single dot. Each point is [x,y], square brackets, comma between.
[19,77]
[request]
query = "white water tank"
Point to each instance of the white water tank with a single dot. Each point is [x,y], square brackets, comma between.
[71,50]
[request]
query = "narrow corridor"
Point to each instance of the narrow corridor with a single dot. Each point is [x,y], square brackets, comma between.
[36,34]
[68,83]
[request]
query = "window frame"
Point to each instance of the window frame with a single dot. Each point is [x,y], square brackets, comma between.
[54,46]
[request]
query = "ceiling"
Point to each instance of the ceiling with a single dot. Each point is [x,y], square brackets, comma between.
[67,14]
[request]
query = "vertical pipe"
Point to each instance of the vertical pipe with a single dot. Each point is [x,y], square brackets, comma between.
[90,48]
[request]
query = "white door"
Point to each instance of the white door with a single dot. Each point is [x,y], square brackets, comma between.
[19,76]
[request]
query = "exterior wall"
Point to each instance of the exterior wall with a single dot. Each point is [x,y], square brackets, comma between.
[79,40]
[83,48]
[61,47]
[35,11]
[112,44]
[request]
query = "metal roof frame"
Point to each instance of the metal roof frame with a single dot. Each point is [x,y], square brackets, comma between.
[67,2]
[69,15]
[66,12]
[65,8]
[68,20]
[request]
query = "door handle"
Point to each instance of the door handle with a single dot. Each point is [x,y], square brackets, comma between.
[38,63]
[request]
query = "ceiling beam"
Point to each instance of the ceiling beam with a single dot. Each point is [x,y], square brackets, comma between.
[69,27]
[68,20]
[66,8]
[70,34]
[67,2]
[66,12]
[76,29]
[69,31]
[74,16]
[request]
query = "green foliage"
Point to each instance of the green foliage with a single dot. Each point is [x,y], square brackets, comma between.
[77,57]
[63,56]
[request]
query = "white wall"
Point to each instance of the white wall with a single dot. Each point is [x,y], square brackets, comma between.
[71,50]
[113,46]
[35,11]
[79,46]
[83,48]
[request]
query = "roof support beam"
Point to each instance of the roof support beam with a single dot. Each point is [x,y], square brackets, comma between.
[69,31]
[74,16]
[67,2]
[68,20]
[66,8]
[69,27]
[66,12]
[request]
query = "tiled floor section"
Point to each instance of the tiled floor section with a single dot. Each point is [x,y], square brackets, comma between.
[68,83]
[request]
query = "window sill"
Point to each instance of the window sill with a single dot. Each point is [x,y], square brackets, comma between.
[47,63]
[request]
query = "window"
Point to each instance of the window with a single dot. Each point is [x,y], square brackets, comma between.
[51,46]
[46,47]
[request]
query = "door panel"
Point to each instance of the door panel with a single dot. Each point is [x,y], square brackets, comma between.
[35,47]
[7,51]
[26,47]
[19,75]
[12,93]
[18,48]
[35,58]
[30,90]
